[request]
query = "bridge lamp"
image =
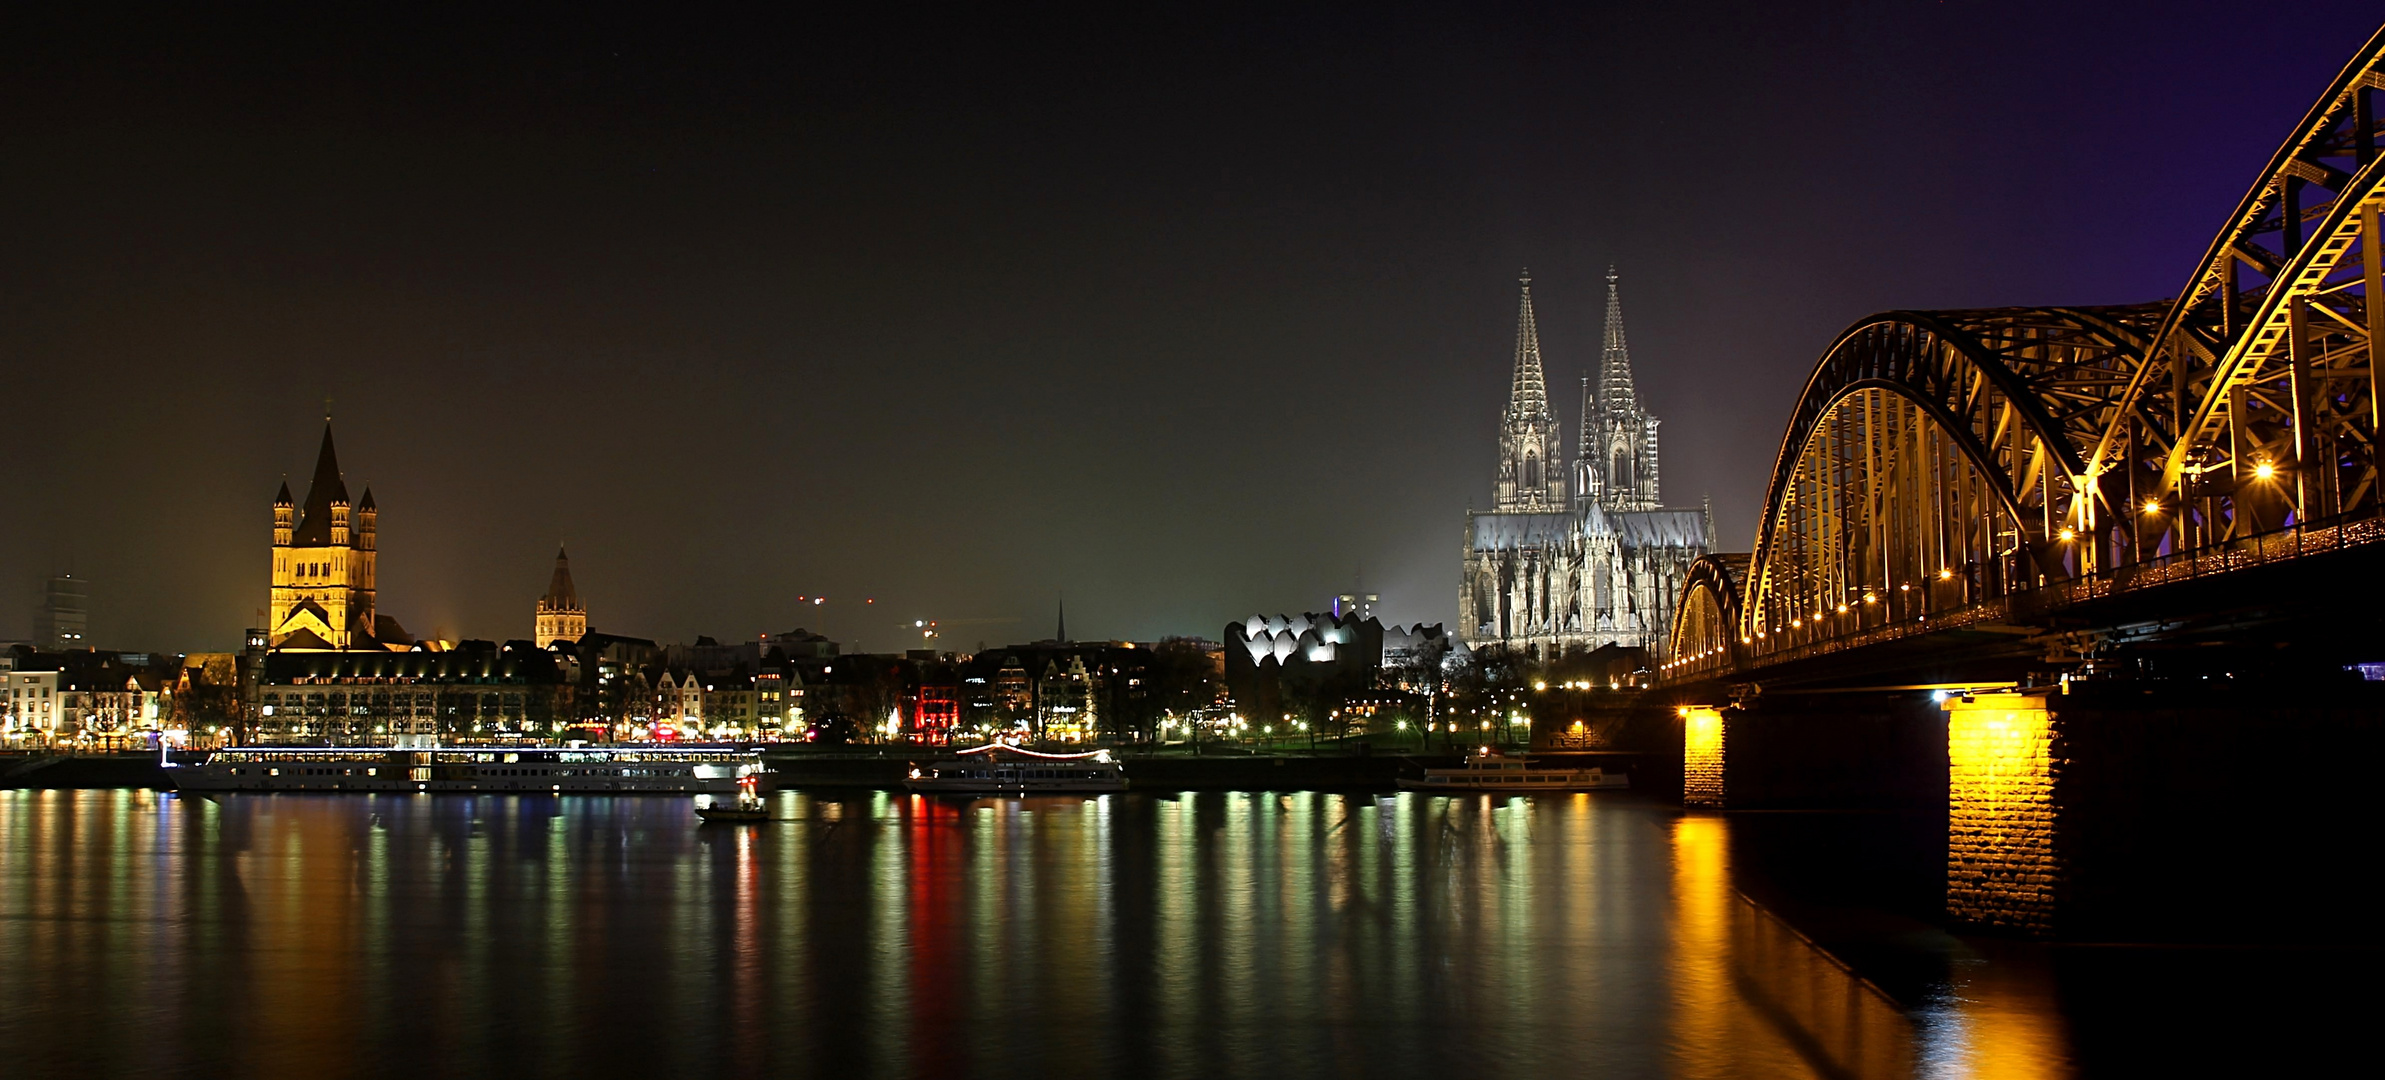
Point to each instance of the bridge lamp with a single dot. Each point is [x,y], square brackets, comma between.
[1945,572]
[1842,609]
[2264,471]
[2067,535]
[2153,506]
[1870,599]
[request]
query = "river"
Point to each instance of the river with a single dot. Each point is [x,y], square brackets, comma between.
[872,934]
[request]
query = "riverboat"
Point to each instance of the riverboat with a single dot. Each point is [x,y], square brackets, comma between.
[1003,769]
[525,770]
[1487,770]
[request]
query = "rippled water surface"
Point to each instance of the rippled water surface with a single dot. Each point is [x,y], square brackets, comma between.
[884,935]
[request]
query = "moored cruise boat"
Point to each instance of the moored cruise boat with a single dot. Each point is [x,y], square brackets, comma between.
[484,770]
[1486,770]
[1002,769]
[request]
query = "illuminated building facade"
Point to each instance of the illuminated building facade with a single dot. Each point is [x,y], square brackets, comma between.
[1271,661]
[324,559]
[478,689]
[561,615]
[934,705]
[30,710]
[1554,567]
[1068,701]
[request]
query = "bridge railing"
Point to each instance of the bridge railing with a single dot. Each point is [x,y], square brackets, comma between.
[2339,533]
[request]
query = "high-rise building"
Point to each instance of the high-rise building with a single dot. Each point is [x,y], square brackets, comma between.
[561,616]
[324,566]
[63,621]
[1546,573]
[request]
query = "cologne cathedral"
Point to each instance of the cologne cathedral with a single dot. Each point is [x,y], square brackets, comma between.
[1571,560]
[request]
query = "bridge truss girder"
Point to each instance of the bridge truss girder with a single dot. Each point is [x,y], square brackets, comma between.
[1940,462]
[1931,463]
[2256,406]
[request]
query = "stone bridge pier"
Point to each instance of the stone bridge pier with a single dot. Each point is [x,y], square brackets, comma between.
[2210,810]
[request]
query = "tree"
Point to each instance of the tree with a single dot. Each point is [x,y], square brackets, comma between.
[1184,677]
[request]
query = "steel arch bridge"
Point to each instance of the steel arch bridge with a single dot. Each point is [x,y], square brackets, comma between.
[1951,468]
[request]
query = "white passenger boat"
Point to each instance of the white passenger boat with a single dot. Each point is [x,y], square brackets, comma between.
[1002,769]
[486,770]
[1488,770]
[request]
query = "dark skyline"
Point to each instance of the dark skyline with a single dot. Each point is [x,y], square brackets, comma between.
[1184,320]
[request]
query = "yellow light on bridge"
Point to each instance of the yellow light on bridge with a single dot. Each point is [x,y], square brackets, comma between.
[1842,609]
[2068,535]
[1945,572]
[2264,471]
[2153,506]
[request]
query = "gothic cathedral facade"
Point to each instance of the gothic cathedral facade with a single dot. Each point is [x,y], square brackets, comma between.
[1571,560]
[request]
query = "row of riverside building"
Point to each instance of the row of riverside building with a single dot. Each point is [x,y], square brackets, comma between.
[331,667]
[1571,564]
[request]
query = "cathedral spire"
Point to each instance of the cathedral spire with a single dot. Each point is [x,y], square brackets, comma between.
[1614,361]
[1626,437]
[1531,455]
[1585,457]
[1529,397]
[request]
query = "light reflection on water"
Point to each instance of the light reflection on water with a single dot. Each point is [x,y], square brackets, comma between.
[875,934]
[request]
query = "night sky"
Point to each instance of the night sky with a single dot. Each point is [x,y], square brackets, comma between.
[1199,314]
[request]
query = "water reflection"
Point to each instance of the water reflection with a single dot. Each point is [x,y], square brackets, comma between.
[1203,935]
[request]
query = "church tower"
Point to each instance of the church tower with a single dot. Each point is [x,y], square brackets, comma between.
[1620,454]
[1531,474]
[561,616]
[323,562]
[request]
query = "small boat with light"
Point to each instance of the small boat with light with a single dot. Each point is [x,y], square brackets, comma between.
[747,807]
[1489,770]
[1003,769]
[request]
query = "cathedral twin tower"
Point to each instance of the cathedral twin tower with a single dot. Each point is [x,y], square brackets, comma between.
[1572,559]
[1614,464]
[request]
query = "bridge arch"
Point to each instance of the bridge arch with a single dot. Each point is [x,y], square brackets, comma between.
[1706,622]
[1929,463]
